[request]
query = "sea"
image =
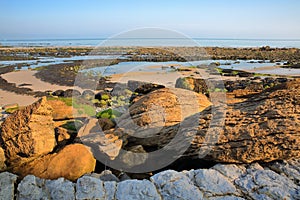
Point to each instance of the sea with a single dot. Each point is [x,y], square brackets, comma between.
[202,42]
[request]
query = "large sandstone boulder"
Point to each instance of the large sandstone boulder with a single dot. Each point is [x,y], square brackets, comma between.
[162,108]
[29,132]
[71,163]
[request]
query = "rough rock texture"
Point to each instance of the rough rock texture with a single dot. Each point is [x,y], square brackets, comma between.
[143,87]
[176,185]
[61,110]
[32,187]
[222,181]
[89,188]
[263,128]
[134,189]
[71,162]
[7,185]
[29,132]
[91,135]
[193,84]
[161,108]
[2,160]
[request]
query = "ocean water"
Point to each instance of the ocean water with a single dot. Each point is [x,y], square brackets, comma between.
[154,42]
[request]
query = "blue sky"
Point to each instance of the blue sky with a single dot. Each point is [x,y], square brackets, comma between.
[29,19]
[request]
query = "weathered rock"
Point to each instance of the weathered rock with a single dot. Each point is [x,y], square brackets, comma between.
[266,184]
[32,187]
[135,189]
[263,128]
[143,87]
[231,171]
[213,183]
[110,188]
[161,108]
[59,93]
[7,185]
[60,189]
[89,188]
[71,93]
[71,162]
[107,144]
[194,84]
[175,185]
[106,124]
[2,160]
[290,168]
[29,132]
[61,110]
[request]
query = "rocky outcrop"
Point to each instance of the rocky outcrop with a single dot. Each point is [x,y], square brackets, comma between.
[277,180]
[28,132]
[71,162]
[263,128]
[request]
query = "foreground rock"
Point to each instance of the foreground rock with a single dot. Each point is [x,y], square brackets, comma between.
[222,181]
[263,128]
[71,163]
[29,132]
[161,108]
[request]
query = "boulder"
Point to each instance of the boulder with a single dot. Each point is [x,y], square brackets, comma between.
[71,162]
[29,132]
[102,143]
[143,87]
[62,111]
[88,94]
[161,108]
[7,185]
[59,93]
[71,93]
[106,124]
[194,84]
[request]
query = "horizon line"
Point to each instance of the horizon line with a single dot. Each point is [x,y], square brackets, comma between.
[107,38]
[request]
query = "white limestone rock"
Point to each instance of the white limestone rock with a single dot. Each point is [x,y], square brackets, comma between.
[174,185]
[136,190]
[89,188]
[7,185]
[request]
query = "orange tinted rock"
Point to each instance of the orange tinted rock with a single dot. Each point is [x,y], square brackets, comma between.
[61,110]
[71,162]
[29,132]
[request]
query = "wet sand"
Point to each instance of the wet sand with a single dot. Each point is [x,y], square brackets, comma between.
[11,97]
[27,77]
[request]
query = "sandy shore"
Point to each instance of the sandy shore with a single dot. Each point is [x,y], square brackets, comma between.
[11,97]
[27,77]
